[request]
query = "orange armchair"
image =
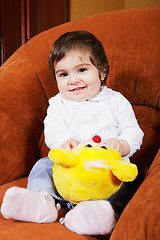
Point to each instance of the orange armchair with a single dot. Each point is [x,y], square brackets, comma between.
[131,39]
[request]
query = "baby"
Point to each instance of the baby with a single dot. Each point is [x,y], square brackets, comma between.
[82,108]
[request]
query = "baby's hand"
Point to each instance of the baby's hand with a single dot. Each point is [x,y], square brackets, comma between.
[121,146]
[70,144]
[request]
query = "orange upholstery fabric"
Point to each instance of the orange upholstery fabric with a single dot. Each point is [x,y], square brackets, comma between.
[131,40]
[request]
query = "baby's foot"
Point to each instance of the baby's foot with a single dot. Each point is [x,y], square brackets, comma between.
[91,218]
[24,205]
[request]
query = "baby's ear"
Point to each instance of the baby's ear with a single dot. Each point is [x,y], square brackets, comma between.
[103,75]
[63,157]
[123,170]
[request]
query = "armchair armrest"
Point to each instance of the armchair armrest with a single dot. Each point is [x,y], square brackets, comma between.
[140,219]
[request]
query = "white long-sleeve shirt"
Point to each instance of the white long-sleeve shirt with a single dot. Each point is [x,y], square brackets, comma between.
[109,115]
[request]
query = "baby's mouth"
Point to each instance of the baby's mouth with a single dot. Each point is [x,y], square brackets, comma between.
[77,89]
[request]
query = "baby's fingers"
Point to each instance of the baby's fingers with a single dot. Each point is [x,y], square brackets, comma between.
[111,143]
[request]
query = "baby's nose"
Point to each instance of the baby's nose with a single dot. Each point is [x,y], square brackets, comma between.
[73,79]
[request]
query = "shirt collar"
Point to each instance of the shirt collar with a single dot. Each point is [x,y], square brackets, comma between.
[99,97]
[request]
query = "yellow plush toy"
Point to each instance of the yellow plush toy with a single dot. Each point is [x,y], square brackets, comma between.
[90,172]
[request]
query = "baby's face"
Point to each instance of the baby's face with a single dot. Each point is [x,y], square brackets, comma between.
[77,78]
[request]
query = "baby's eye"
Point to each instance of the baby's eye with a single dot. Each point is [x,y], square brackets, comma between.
[82,70]
[63,75]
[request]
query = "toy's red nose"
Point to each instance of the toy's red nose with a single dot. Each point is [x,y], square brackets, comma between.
[96,139]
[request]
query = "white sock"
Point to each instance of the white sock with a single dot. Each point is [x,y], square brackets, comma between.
[24,205]
[91,218]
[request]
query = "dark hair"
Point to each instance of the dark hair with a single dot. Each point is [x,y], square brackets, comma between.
[82,40]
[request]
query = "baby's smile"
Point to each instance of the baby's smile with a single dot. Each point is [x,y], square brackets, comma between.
[77,89]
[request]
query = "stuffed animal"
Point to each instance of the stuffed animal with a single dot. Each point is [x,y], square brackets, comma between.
[90,172]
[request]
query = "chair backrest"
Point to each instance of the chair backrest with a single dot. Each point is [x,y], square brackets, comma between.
[131,41]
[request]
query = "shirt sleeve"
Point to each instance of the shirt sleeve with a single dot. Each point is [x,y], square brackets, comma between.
[128,128]
[55,129]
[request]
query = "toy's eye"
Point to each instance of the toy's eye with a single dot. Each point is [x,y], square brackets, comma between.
[104,147]
[89,145]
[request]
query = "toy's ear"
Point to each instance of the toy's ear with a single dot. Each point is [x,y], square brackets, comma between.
[124,170]
[63,157]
